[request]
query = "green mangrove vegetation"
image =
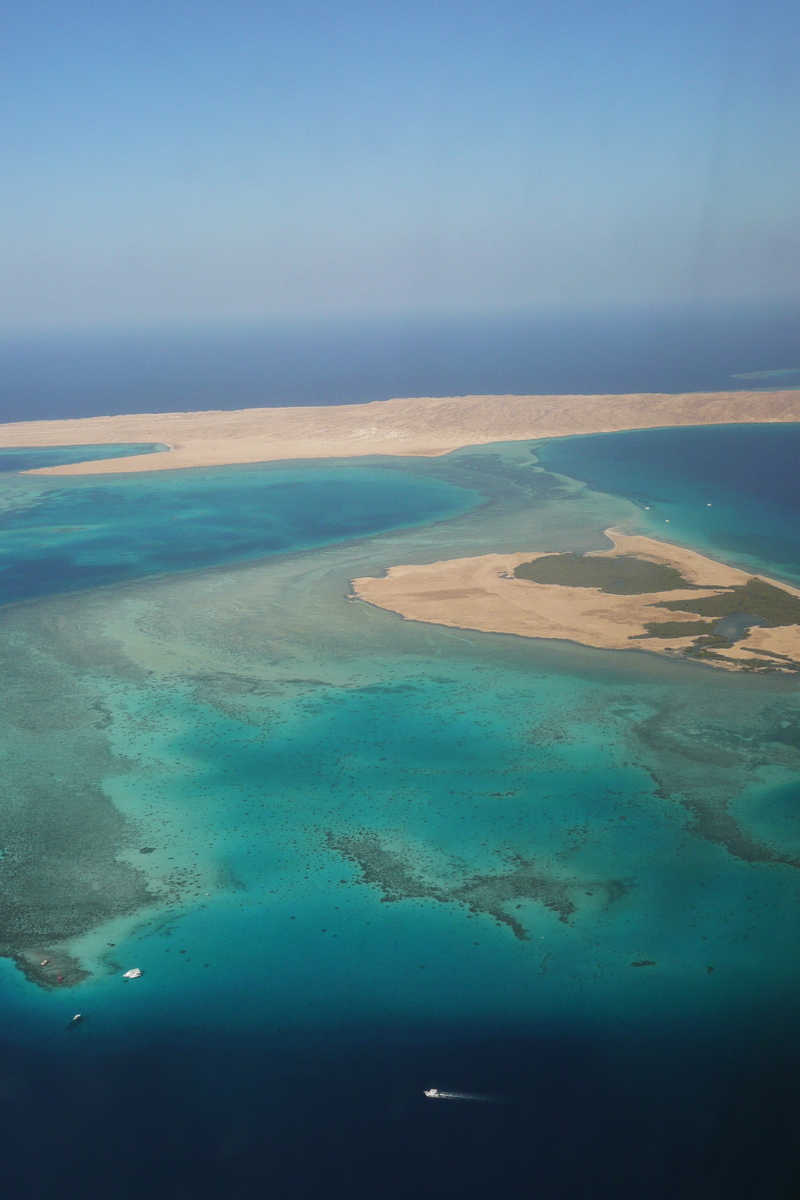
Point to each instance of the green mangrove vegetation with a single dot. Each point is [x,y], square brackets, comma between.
[677,629]
[757,598]
[622,575]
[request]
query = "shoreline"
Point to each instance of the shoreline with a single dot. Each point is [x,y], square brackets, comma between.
[415,427]
[485,594]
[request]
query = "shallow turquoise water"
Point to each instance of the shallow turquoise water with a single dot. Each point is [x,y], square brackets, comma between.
[66,535]
[362,832]
[28,458]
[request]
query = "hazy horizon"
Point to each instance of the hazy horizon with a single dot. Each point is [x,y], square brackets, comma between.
[205,164]
[339,361]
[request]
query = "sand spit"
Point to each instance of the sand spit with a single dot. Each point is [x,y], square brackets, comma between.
[422,426]
[483,593]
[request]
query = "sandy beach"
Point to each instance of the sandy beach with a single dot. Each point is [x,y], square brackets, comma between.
[482,593]
[421,426]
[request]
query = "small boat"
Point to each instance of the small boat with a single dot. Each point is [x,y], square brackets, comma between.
[75,1020]
[134,973]
[44,962]
[436,1094]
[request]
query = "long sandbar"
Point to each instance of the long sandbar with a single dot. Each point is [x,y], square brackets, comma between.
[427,426]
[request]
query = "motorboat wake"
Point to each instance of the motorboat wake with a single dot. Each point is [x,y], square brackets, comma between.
[435,1094]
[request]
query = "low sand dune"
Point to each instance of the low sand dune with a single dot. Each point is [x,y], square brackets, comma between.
[423,426]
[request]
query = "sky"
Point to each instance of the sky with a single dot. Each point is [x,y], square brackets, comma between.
[179,161]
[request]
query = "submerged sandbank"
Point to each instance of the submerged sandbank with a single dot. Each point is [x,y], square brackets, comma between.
[419,426]
[607,600]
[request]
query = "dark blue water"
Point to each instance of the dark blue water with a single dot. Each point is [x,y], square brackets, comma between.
[615,1111]
[76,535]
[732,488]
[200,1120]
[347,362]
[29,458]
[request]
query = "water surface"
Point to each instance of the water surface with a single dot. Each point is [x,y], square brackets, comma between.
[28,458]
[734,489]
[59,536]
[666,349]
[358,857]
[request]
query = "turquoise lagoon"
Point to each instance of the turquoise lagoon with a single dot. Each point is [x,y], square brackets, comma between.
[61,535]
[29,458]
[357,857]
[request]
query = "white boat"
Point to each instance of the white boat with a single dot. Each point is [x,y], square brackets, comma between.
[433,1094]
[134,973]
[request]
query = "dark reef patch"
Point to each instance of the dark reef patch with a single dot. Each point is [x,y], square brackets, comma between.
[785,731]
[703,769]
[398,878]
[714,823]
[60,836]
[55,969]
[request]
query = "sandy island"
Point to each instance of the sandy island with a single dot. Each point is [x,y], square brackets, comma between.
[683,618]
[482,593]
[423,426]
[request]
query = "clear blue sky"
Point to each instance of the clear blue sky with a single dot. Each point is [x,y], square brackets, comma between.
[210,160]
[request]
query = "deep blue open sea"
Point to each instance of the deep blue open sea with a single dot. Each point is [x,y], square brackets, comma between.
[703,348]
[358,857]
[728,489]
